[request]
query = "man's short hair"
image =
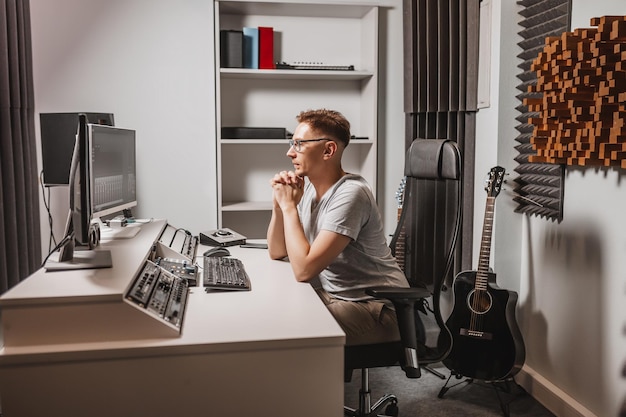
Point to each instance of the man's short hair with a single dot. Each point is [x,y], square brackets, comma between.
[330,123]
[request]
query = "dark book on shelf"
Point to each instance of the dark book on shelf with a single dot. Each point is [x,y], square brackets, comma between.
[266,48]
[237,132]
[231,48]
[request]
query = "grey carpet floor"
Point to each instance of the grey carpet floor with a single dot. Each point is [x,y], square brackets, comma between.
[419,397]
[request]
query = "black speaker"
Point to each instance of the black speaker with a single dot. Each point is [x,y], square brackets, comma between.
[58,135]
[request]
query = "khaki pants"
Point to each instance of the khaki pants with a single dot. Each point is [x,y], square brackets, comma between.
[363,322]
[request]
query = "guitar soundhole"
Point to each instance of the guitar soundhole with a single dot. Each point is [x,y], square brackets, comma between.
[479,302]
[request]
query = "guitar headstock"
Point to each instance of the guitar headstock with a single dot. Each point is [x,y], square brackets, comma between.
[400,192]
[494,181]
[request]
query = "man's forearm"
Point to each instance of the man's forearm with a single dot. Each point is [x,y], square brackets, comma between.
[276,235]
[297,245]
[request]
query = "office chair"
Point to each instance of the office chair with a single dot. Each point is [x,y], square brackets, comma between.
[432,173]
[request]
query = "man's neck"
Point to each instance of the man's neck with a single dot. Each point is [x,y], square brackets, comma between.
[323,182]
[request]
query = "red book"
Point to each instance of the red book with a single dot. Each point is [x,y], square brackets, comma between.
[266,48]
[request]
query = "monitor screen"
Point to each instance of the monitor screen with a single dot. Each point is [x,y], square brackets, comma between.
[113,172]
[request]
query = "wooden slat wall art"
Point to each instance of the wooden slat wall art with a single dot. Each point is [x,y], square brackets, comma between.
[538,186]
[581,76]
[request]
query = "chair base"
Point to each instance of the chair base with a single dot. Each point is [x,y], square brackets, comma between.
[389,401]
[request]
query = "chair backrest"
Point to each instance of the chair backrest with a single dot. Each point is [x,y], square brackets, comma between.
[427,232]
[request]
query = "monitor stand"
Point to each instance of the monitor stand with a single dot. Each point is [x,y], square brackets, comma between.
[68,258]
[83,259]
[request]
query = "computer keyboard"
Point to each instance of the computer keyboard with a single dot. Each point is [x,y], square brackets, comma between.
[225,273]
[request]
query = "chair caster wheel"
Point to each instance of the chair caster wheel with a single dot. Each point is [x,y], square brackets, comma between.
[392,410]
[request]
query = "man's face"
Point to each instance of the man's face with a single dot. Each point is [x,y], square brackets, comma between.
[306,155]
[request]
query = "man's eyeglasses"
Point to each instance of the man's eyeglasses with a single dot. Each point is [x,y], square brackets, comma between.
[297,144]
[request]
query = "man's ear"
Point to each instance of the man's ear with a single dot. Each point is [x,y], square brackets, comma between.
[330,149]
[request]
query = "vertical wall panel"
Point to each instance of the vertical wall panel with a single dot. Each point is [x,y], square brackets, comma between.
[409,49]
[441,64]
[454,58]
[444,51]
[471,53]
[432,56]
[539,186]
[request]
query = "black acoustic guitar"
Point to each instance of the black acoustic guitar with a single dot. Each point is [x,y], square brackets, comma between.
[487,343]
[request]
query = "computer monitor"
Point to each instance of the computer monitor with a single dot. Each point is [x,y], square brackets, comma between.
[113,170]
[58,136]
[101,181]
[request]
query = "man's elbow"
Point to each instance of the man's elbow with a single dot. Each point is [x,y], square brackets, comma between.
[303,276]
[277,256]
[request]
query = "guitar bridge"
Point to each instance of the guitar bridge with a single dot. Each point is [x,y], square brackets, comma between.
[476,334]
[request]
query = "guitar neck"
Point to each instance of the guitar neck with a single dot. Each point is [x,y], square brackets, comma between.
[485,244]
[399,247]
[399,244]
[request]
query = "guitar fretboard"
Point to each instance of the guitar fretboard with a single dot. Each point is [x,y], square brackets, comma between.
[485,245]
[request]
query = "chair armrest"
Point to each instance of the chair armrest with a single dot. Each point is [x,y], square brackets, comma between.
[404,300]
[398,294]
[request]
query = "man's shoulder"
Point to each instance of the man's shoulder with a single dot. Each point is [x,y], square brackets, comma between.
[354,190]
[355,182]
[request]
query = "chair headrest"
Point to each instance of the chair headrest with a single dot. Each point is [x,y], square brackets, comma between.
[433,159]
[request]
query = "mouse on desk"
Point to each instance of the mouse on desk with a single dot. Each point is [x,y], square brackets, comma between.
[217,251]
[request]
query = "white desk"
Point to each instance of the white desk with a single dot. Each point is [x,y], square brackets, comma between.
[72,347]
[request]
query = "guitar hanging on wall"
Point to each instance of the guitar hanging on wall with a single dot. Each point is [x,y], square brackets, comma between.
[487,343]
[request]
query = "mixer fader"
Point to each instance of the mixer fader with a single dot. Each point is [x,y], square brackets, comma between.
[160,293]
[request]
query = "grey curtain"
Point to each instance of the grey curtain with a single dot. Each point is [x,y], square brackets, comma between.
[440,102]
[20,239]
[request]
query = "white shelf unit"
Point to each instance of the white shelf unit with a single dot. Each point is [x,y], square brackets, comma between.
[323,32]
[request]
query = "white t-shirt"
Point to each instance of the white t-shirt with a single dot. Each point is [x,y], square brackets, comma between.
[349,208]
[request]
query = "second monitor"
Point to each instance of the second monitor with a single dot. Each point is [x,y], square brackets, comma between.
[113,171]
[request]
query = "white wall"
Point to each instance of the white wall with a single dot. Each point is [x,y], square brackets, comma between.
[570,276]
[391,106]
[150,62]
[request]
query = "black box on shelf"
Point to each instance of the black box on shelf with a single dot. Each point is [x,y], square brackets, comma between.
[254,133]
[231,48]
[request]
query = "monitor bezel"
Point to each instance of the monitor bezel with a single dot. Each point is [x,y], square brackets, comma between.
[95,214]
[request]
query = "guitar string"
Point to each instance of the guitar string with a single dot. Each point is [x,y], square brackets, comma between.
[480,299]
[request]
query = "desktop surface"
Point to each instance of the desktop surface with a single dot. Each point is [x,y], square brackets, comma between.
[273,345]
[75,286]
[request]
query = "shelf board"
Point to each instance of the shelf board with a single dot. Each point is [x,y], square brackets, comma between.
[307,8]
[282,142]
[282,74]
[247,206]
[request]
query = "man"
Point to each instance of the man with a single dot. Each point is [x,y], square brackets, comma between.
[331,229]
